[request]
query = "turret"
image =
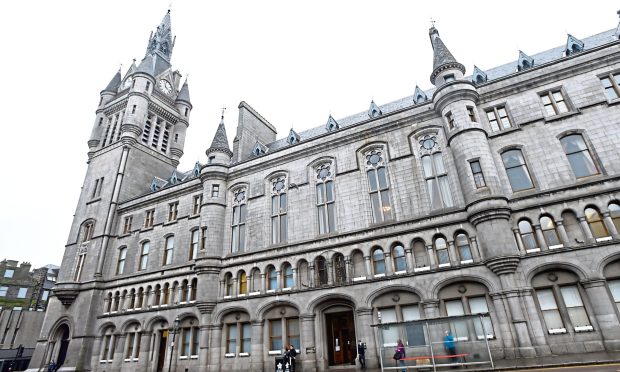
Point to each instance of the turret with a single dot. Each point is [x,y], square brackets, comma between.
[445,66]
[184,107]
[105,96]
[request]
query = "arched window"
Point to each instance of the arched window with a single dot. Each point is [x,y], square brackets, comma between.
[547,225]
[256,282]
[140,298]
[228,285]
[436,178]
[357,262]
[239,214]
[398,255]
[87,231]
[243,283]
[157,298]
[174,293]
[144,255]
[516,170]
[194,290]
[120,264]
[132,299]
[107,344]
[132,342]
[325,199]
[287,274]
[166,294]
[108,304]
[168,251]
[320,266]
[303,274]
[340,271]
[441,250]
[578,156]
[420,255]
[184,291]
[272,278]
[595,221]
[572,227]
[279,207]
[379,186]
[527,235]
[463,247]
[614,213]
[378,261]
[560,301]
[117,301]
[193,248]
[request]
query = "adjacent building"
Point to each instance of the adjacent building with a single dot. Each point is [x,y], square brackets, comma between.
[491,193]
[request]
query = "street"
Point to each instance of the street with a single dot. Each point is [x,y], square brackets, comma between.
[615,367]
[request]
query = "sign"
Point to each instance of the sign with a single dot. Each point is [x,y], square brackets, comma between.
[311,350]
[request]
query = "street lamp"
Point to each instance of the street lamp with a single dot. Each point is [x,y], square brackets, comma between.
[175,329]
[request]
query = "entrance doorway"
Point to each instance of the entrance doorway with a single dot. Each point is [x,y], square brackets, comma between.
[62,336]
[341,349]
[161,355]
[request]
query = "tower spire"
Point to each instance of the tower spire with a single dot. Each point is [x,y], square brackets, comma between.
[220,140]
[161,42]
[442,58]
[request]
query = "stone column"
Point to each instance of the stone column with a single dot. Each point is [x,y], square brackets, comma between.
[308,361]
[312,275]
[609,224]
[368,267]
[257,346]
[295,282]
[366,333]
[235,290]
[96,352]
[431,256]
[519,240]
[145,351]
[539,332]
[604,312]
[250,279]
[475,250]
[455,259]
[562,233]
[119,350]
[216,347]
[330,273]
[586,230]
[389,267]
[410,265]
[502,330]
[263,278]
[540,237]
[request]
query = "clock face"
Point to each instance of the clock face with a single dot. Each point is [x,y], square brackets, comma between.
[127,83]
[165,86]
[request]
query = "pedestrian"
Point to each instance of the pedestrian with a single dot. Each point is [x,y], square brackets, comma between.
[51,367]
[449,346]
[399,354]
[290,355]
[361,353]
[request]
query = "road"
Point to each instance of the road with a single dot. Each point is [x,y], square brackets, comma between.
[615,367]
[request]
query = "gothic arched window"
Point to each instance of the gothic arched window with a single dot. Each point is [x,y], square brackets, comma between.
[595,221]
[239,214]
[378,261]
[398,256]
[463,247]
[376,172]
[547,225]
[526,230]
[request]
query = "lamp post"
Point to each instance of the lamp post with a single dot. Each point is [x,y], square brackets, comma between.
[175,328]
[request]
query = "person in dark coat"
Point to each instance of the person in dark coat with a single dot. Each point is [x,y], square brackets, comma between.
[361,353]
[290,355]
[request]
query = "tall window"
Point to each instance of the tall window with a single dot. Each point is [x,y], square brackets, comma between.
[476,172]
[272,278]
[378,261]
[420,255]
[173,209]
[127,225]
[246,337]
[398,255]
[611,85]
[193,248]
[275,334]
[554,102]
[132,348]
[120,264]
[436,180]
[278,211]
[108,343]
[87,231]
[441,249]
[471,114]
[340,270]
[215,191]
[465,298]
[194,289]
[498,118]
[231,339]
[379,186]
[595,221]
[450,120]
[77,274]
[614,213]
[287,275]
[292,332]
[243,283]
[614,287]
[478,305]
[320,266]
[189,341]
[228,285]
[549,232]
[168,251]
[238,221]
[144,255]
[578,156]
[149,218]
[196,204]
[517,171]
[325,199]
[463,247]
[527,235]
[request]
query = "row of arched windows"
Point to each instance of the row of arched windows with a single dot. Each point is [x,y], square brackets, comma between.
[151,296]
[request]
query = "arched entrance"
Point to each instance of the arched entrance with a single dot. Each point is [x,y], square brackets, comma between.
[340,339]
[59,344]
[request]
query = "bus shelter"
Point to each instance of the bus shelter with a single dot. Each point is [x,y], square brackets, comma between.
[436,344]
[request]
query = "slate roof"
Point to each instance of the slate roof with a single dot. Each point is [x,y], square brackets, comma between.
[220,140]
[158,183]
[184,93]
[115,82]
[442,58]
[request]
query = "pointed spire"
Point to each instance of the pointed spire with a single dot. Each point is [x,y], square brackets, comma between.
[162,42]
[479,76]
[617,34]
[573,45]
[442,58]
[332,124]
[524,62]
[114,83]
[293,137]
[220,140]
[184,94]
[419,96]
[374,110]
[147,65]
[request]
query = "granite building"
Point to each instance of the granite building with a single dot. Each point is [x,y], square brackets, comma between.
[495,192]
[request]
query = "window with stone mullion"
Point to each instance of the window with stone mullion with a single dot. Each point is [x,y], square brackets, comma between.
[278,218]
[325,202]
[579,156]
[610,84]
[379,194]
[238,228]
[436,178]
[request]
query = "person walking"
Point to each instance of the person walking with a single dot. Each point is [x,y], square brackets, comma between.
[399,354]
[361,353]
[51,367]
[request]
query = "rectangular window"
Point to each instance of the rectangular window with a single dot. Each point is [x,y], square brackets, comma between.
[498,118]
[325,203]
[149,218]
[168,251]
[246,337]
[415,332]
[197,203]
[211,159]
[516,170]
[127,225]
[148,85]
[390,333]
[144,255]
[231,339]
[471,114]
[238,228]
[292,332]
[448,78]
[458,327]
[195,340]
[129,342]
[576,311]
[554,102]
[133,109]
[450,120]
[611,84]
[78,267]
[579,156]
[87,232]
[203,238]
[44,296]
[437,183]
[3,291]
[193,248]
[379,194]
[476,171]
[120,265]
[8,273]
[275,334]
[549,308]
[278,218]
[484,328]
[614,287]
[215,191]
[22,293]
[172,211]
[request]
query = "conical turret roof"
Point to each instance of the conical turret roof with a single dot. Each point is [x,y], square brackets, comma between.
[442,58]
[114,83]
[220,140]
[184,93]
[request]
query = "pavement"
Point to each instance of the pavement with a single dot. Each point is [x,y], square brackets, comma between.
[610,367]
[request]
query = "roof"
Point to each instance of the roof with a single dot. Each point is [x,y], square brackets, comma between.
[115,82]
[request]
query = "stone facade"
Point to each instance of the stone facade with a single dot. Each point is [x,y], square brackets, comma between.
[494,193]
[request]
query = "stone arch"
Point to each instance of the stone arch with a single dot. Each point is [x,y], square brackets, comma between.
[470,278]
[103,327]
[151,323]
[609,259]
[58,323]
[567,266]
[222,313]
[127,323]
[315,304]
[398,287]
[261,310]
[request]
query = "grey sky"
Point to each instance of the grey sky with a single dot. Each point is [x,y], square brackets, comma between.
[295,62]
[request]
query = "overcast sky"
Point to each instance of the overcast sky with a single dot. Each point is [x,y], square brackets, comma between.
[295,62]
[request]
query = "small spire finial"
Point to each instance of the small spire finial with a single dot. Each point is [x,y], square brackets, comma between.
[223,109]
[432,22]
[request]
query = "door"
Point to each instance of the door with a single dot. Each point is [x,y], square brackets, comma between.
[340,338]
[161,355]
